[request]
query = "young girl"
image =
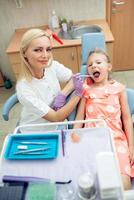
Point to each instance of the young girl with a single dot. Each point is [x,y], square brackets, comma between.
[104,99]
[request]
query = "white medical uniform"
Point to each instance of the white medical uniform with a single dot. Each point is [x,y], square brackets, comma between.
[38,95]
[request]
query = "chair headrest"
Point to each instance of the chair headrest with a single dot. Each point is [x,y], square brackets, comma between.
[90,41]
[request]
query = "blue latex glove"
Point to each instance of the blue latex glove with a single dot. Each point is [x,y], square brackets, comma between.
[59,101]
[78,84]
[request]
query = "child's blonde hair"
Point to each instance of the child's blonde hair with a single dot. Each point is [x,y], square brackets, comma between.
[26,40]
[99,51]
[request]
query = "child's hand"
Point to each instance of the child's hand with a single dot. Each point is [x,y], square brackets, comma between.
[75,137]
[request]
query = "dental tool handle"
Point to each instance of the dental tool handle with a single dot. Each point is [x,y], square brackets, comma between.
[31,150]
[24,179]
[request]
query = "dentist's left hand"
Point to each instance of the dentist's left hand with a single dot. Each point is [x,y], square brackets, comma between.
[59,101]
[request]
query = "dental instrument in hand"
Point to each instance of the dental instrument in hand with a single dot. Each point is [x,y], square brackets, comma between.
[31,150]
[63,141]
[86,76]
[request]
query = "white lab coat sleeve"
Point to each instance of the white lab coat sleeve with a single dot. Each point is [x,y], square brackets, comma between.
[30,100]
[63,73]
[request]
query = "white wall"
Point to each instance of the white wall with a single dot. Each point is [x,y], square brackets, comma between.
[35,13]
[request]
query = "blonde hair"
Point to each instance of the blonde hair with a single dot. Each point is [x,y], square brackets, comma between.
[26,40]
[99,51]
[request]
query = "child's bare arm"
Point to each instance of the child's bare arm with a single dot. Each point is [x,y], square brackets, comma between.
[80,113]
[79,116]
[127,123]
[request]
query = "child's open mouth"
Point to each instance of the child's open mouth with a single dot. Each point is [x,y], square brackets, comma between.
[96,74]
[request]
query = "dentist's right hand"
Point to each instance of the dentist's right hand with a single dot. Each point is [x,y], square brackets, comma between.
[78,84]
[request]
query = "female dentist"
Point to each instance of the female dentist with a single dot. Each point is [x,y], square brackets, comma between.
[38,86]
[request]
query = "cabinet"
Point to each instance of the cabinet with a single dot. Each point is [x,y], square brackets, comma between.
[67,56]
[15,62]
[120,16]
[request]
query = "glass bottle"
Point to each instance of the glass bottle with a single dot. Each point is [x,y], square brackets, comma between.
[65,192]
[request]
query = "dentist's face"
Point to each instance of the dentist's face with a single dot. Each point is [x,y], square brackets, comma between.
[39,53]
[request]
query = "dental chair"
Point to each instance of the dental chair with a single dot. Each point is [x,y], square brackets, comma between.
[8,105]
[90,41]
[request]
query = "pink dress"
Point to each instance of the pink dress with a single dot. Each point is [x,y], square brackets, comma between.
[103,103]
